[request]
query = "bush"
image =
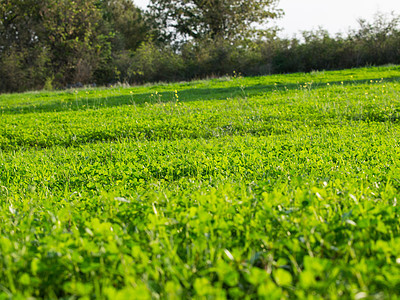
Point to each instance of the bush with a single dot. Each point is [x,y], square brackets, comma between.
[373,43]
[151,64]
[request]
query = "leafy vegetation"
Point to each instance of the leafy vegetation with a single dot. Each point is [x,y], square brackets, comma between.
[54,45]
[274,187]
[228,19]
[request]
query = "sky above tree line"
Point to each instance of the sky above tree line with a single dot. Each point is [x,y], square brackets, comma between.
[334,16]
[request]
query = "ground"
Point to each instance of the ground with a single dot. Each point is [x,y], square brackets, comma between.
[276,186]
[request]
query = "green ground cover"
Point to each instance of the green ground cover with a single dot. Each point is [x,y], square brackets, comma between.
[264,187]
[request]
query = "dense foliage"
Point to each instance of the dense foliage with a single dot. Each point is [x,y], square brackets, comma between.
[57,44]
[269,187]
[214,19]
[52,44]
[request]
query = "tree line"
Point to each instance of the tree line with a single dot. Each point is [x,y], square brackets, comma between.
[55,44]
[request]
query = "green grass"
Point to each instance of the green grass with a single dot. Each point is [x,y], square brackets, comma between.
[264,187]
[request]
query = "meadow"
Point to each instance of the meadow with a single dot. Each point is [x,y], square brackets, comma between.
[273,187]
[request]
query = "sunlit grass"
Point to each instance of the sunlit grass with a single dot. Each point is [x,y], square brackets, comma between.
[275,187]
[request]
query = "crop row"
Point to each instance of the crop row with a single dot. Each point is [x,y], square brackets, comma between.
[227,217]
[274,112]
[265,187]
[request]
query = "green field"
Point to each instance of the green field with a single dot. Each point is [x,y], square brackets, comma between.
[265,187]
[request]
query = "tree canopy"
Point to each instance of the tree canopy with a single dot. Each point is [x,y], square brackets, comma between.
[199,19]
[65,41]
[53,44]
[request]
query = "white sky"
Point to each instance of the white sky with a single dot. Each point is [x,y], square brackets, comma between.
[335,16]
